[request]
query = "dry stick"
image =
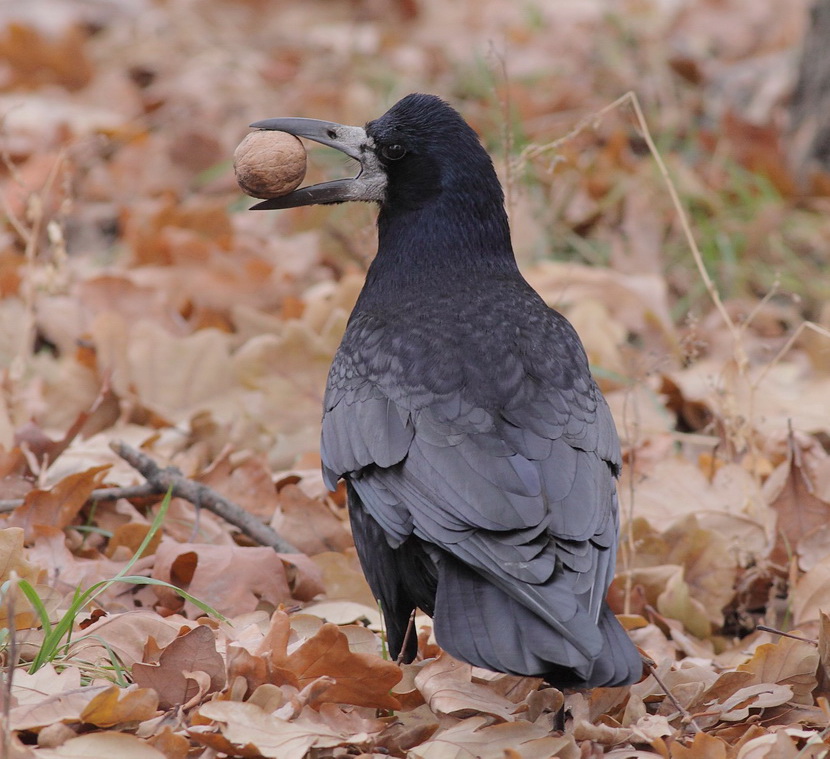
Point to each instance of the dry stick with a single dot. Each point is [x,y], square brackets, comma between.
[687,231]
[677,705]
[532,151]
[201,495]
[775,631]
[145,490]
[409,629]
[160,480]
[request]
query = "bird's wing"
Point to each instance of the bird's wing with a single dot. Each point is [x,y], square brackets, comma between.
[513,493]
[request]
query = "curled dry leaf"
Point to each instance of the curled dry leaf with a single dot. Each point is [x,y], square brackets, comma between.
[762,696]
[309,523]
[13,560]
[650,728]
[447,687]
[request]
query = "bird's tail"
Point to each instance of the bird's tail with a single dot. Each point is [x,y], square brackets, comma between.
[477,622]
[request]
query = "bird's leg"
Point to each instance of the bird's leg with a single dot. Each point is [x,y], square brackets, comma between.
[410,628]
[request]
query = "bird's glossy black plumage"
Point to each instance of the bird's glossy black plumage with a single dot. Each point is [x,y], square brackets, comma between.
[479,454]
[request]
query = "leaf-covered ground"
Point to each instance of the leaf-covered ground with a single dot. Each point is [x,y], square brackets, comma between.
[141,302]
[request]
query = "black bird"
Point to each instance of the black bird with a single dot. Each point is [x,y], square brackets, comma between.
[479,455]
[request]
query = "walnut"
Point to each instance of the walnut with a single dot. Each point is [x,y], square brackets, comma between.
[269,164]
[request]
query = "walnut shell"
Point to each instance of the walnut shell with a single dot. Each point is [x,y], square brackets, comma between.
[269,164]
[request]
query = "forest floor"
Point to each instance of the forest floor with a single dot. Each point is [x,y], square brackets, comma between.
[147,316]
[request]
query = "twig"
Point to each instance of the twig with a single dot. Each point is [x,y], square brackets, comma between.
[159,481]
[533,151]
[172,478]
[409,630]
[670,696]
[775,631]
[145,490]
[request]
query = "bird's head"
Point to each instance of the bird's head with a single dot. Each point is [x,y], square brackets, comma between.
[419,150]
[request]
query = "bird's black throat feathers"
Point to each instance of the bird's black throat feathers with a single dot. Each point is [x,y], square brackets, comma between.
[443,215]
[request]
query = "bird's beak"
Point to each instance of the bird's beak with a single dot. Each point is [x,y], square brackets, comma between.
[368,185]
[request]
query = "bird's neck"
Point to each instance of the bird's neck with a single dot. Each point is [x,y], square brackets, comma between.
[439,241]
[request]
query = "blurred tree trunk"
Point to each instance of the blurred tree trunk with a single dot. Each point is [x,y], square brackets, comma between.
[809,133]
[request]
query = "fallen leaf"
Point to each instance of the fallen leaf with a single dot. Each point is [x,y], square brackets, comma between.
[791,492]
[343,578]
[788,662]
[115,706]
[812,593]
[233,579]
[58,506]
[309,524]
[473,738]
[447,687]
[66,706]
[12,556]
[125,635]
[775,746]
[246,724]
[195,651]
[762,696]
[360,679]
[104,745]
[31,688]
[703,746]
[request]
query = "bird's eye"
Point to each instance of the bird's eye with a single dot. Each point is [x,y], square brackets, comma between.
[393,152]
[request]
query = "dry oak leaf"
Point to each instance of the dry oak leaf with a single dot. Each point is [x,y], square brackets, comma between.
[709,568]
[309,523]
[778,745]
[175,677]
[446,685]
[12,558]
[245,724]
[175,376]
[104,745]
[473,738]
[812,593]
[792,494]
[361,679]
[248,484]
[47,681]
[66,706]
[235,579]
[115,706]
[343,578]
[704,746]
[126,635]
[58,506]
[788,662]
